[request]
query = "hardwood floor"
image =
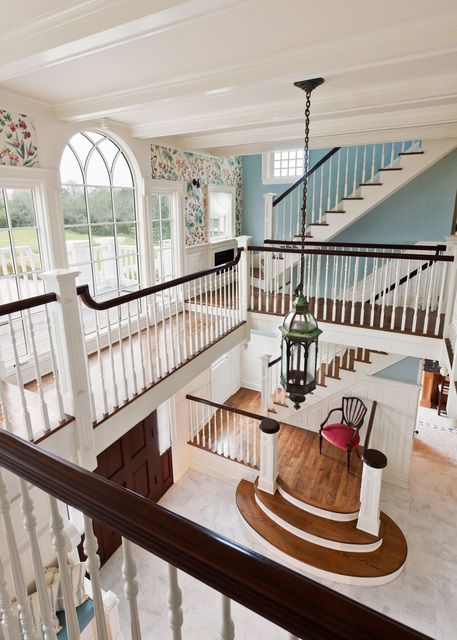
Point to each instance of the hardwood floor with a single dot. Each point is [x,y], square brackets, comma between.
[319,480]
[125,373]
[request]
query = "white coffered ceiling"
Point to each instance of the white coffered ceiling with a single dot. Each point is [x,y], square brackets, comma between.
[216,75]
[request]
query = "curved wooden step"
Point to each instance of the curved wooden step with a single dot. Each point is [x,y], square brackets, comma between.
[373,568]
[333,534]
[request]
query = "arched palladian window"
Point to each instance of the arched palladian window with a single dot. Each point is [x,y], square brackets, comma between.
[98,201]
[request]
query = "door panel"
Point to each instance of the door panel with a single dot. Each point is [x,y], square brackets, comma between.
[134,462]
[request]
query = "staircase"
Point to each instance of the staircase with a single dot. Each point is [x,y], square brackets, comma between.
[348,185]
[339,369]
[320,542]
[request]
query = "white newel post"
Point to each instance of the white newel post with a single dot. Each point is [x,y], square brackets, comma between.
[374,462]
[268,474]
[265,390]
[244,242]
[268,226]
[71,359]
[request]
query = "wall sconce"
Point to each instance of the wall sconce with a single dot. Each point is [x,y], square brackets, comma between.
[196,183]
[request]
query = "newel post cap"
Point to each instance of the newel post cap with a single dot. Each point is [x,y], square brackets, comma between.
[268,425]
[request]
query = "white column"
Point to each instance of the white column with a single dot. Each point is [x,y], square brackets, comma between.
[244,242]
[71,359]
[265,389]
[370,492]
[268,455]
[268,229]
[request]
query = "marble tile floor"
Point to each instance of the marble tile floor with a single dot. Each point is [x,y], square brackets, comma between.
[423,596]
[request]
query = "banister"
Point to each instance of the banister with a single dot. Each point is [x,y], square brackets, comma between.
[361,245]
[314,168]
[358,254]
[286,598]
[84,293]
[27,303]
[273,362]
[227,407]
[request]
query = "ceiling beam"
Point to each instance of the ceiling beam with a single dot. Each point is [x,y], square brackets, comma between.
[96,25]
[418,40]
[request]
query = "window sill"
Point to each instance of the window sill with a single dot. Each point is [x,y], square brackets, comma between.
[285,180]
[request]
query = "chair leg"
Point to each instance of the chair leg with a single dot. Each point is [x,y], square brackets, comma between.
[320,443]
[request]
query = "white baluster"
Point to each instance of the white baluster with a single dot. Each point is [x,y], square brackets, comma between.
[227,628]
[131,588]
[59,542]
[439,310]
[131,352]
[175,614]
[121,353]
[93,567]
[43,596]
[354,288]
[100,365]
[416,300]
[429,293]
[111,360]
[405,297]
[25,614]
[140,342]
[396,288]
[10,623]
[55,369]
[20,382]
[338,171]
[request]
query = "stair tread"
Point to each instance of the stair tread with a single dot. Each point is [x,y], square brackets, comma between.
[335,530]
[385,560]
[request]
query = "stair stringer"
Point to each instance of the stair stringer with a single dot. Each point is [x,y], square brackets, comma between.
[334,389]
[411,165]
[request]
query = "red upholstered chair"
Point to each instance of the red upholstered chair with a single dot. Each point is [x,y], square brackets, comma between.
[344,434]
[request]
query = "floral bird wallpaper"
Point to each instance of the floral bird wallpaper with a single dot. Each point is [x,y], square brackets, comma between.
[174,164]
[18,146]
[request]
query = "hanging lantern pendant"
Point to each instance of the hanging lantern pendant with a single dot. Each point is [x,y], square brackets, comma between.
[300,332]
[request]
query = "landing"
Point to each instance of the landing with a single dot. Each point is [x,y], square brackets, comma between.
[320,480]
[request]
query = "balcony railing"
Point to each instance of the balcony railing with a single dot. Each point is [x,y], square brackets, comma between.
[295,603]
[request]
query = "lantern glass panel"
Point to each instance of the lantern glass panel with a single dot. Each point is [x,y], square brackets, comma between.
[311,363]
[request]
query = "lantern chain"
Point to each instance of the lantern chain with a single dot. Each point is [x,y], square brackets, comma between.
[299,289]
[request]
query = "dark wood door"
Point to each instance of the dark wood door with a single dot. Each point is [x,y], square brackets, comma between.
[134,462]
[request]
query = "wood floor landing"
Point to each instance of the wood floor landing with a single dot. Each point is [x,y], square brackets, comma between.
[374,567]
[319,480]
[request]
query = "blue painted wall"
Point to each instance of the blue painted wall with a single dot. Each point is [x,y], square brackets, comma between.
[421,210]
[254,190]
[405,370]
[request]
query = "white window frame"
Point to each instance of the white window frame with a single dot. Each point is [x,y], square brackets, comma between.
[218,188]
[268,176]
[177,190]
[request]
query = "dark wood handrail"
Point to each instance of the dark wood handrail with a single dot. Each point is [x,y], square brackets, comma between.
[361,245]
[210,403]
[273,362]
[314,168]
[84,293]
[366,444]
[298,604]
[357,254]
[27,303]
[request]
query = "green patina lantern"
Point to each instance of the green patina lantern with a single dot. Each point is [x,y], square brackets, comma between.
[300,333]
[299,347]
